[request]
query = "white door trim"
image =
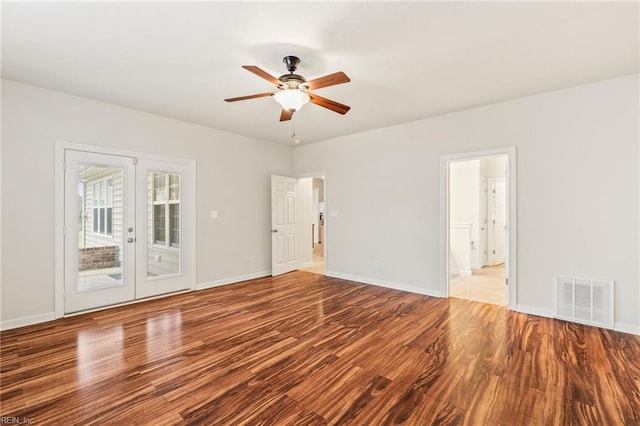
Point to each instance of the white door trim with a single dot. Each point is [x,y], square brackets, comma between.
[58,249]
[511,259]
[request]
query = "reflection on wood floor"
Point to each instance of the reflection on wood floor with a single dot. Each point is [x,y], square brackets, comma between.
[484,285]
[308,349]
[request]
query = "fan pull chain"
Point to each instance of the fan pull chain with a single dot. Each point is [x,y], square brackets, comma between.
[293,130]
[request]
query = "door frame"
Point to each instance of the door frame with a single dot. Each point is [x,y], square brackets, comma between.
[511,252]
[59,212]
[323,176]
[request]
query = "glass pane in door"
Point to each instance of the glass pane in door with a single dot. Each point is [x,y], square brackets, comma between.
[164,223]
[100,226]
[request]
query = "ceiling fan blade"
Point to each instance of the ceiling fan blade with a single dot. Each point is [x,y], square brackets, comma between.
[285,115]
[243,98]
[328,80]
[262,73]
[329,104]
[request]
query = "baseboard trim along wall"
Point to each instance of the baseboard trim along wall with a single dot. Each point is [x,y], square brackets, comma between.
[387,284]
[550,313]
[38,319]
[25,321]
[232,280]
[532,310]
[627,328]
[525,309]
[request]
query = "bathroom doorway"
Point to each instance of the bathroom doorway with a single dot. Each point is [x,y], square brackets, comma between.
[477,209]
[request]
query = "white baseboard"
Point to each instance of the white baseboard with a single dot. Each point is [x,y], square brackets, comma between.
[533,310]
[386,284]
[550,313]
[627,328]
[25,321]
[232,280]
[465,272]
[304,265]
[40,318]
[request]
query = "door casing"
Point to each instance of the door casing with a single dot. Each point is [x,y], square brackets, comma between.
[320,175]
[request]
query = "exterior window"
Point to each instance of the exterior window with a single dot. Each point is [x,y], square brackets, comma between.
[166,209]
[103,207]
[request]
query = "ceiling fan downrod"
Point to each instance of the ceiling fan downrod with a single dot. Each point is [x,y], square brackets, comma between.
[292,63]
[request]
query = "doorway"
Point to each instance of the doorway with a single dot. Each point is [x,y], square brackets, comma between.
[312,223]
[478,226]
[128,227]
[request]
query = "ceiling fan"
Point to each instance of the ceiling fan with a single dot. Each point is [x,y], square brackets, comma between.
[293,89]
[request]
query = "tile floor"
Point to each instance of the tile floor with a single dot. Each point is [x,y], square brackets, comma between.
[318,261]
[484,285]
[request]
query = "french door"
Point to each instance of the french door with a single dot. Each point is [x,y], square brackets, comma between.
[124,228]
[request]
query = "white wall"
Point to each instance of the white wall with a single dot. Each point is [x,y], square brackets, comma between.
[578,189]
[464,207]
[232,171]
[493,167]
[464,181]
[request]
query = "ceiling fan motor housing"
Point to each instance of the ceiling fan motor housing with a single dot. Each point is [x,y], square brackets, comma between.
[292,81]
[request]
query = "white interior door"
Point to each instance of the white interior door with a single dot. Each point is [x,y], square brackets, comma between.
[482,235]
[498,221]
[284,227]
[99,224]
[165,228]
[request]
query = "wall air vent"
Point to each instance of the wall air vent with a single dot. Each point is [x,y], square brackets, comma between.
[584,301]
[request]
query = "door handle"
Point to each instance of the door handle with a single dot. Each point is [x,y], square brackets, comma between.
[274,230]
[131,240]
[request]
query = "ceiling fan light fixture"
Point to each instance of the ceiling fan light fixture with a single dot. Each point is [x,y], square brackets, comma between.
[291,99]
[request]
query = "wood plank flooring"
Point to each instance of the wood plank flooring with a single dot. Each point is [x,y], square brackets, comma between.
[304,349]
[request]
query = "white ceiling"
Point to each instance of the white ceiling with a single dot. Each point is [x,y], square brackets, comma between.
[407,61]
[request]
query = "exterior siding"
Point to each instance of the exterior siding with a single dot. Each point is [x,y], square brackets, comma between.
[92,239]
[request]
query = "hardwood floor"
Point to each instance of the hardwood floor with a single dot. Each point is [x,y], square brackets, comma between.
[306,349]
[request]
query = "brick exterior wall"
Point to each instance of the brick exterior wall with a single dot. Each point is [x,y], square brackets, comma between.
[98,258]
